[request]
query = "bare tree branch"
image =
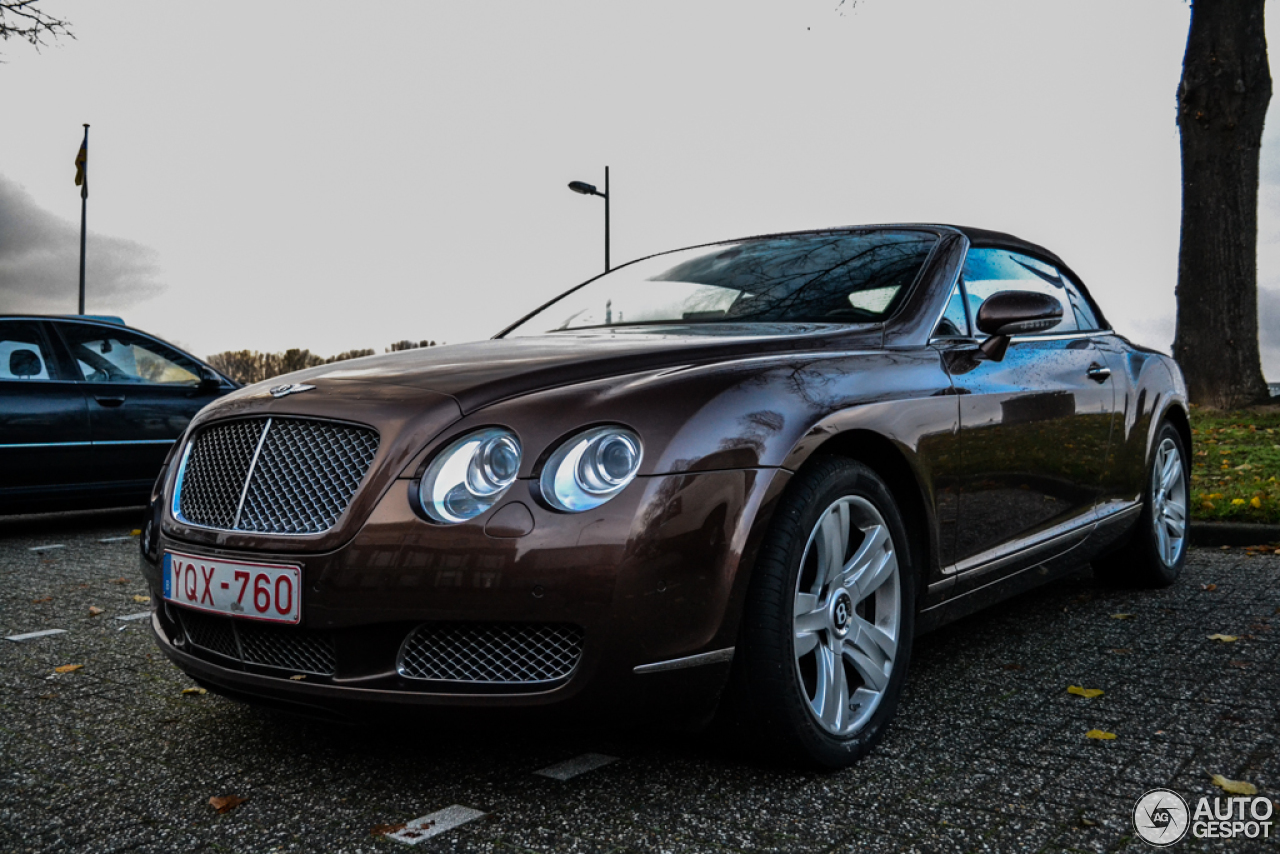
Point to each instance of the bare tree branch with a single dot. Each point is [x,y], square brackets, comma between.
[22,19]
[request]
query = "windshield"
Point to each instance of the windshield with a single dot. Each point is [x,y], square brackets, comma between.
[858,277]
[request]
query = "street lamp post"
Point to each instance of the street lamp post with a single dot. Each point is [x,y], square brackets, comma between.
[590,190]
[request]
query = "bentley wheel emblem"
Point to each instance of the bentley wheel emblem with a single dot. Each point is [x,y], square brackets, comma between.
[284,390]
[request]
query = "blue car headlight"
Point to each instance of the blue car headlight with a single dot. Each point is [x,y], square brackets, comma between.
[590,468]
[470,475]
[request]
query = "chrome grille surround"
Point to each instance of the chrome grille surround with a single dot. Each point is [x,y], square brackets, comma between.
[491,653]
[290,648]
[274,475]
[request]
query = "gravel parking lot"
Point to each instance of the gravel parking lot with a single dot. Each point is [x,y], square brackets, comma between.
[988,752]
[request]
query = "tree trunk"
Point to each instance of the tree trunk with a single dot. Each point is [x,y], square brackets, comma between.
[1222,103]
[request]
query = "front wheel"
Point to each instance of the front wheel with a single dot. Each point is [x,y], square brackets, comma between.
[1154,555]
[829,619]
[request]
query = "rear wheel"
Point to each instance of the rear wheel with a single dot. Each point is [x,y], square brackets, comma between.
[827,630]
[1155,553]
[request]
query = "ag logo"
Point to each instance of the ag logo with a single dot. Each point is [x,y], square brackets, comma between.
[1161,817]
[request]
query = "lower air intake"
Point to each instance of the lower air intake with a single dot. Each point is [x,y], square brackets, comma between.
[491,653]
[290,648]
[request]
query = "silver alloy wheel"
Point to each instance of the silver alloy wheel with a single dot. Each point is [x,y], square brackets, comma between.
[1169,502]
[847,614]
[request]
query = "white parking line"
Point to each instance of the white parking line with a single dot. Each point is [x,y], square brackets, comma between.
[435,824]
[32,635]
[124,539]
[139,616]
[571,768]
[47,548]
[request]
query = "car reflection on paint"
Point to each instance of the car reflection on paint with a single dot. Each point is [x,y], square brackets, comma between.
[727,484]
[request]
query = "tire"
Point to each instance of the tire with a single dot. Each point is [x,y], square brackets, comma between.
[825,641]
[1157,548]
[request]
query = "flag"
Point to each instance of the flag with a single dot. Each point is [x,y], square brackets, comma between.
[82,168]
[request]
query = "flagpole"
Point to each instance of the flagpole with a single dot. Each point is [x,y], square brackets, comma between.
[84,206]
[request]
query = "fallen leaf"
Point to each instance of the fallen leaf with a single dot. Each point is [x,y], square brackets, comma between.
[1087,822]
[194,691]
[1226,548]
[1100,735]
[94,610]
[1122,616]
[226,803]
[1235,502]
[135,532]
[1224,638]
[1209,587]
[1255,502]
[1089,693]
[67,668]
[384,829]
[119,581]
[141,599]
[1122,651]
[39,601]
[1239,663]
[298,677]
[1235,787]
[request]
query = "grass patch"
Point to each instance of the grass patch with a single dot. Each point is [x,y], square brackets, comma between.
[1236,473]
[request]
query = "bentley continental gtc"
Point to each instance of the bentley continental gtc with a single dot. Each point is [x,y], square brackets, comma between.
[723,485]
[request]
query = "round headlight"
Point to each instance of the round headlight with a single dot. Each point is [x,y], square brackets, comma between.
[591,468]
[469,476]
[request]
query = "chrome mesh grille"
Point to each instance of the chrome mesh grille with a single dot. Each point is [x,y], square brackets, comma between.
[216,470]
[274,475]
[492,653]
[290,648]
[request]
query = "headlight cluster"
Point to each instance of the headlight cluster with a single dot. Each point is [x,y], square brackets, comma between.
[474,472]
[469,476]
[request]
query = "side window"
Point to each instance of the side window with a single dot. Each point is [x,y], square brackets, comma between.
[106,355]
[1086,317]
[989,271]
[24,353]
[954,322]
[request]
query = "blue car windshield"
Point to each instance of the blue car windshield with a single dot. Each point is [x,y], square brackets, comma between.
[828,277]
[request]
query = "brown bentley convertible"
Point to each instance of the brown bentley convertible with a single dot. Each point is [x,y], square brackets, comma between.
[737,477]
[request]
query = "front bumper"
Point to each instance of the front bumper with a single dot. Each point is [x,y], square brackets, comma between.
[652,576]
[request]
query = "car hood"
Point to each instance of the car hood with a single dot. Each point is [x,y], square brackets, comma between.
[485,372]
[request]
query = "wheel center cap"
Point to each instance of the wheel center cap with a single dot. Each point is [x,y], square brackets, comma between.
[841,612]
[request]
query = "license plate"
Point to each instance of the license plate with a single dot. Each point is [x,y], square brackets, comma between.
[253,591]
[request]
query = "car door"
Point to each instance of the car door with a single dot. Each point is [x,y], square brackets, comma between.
[140,395]
[1035,428]
[44,420]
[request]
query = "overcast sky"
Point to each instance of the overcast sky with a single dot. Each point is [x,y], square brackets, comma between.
[334,176]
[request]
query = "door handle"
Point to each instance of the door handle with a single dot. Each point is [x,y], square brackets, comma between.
[109,400]
[1098,373]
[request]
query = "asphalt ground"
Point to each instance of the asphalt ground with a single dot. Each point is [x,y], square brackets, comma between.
[988,752]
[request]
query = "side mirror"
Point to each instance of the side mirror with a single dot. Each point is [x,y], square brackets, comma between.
[209,379]
[1010,313]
